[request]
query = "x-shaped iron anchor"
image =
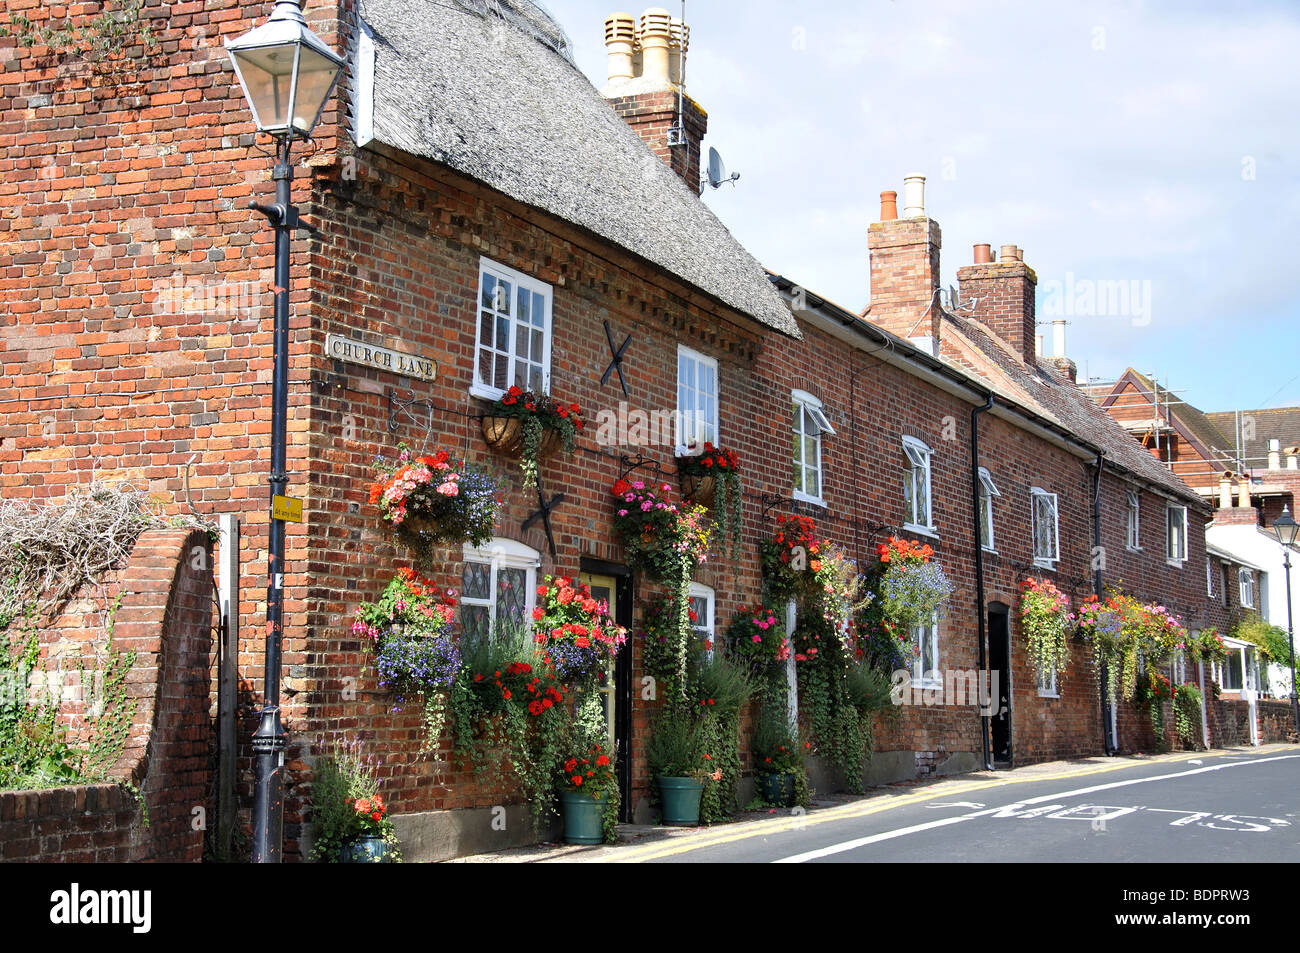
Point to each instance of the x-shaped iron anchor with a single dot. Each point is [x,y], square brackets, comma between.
[617,363]
[543,512]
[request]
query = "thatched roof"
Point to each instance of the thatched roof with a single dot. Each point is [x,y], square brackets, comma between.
[495,96]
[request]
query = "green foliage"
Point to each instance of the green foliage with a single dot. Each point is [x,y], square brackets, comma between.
[717,690]
[341,780]
[1187,711]
[676,746]
[103,36]
[34,748]
[1271,640]
[1045,624]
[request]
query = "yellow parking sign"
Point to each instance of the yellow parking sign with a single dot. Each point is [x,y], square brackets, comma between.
[286,508]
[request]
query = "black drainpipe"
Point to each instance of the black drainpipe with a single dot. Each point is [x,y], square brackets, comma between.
[1106,727]
[979,567]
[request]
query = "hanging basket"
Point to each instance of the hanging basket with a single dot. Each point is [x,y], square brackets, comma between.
[506,435]
[698,488]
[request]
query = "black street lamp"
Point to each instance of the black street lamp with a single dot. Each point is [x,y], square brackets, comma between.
[287,74]
[1285,528]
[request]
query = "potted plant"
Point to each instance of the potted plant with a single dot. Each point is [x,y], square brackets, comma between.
[574,632]
[710,476]
[349,818]
[532,427]
[431,499]
[1045,622]
[777,760]
[756,640]
[680,765]
[410,630]
[910,587]
[587,782]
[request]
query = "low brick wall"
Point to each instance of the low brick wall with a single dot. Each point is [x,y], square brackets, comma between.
[165,617]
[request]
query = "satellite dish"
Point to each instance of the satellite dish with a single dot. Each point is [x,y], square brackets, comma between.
[718,171]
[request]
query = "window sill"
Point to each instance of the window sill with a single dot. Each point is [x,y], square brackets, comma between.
[805,498]
[929,531]
[487,393]
[989,549]
[1044,693]
[1176,563]
[1048,564]
[1134,549]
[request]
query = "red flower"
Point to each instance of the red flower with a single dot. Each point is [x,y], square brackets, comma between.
[514,390]
[376,817]
[577,780]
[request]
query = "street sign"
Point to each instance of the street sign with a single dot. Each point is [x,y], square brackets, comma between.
[286,508]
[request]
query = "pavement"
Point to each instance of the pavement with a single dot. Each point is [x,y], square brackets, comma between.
[1236,804]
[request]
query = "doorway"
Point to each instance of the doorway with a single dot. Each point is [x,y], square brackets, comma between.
[612,584]
[1000,669]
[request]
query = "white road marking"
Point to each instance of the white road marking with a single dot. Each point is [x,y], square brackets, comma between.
[1011,810]
[971,804]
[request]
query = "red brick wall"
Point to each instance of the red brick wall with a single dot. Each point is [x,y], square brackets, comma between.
[905,275]
[165,617]
[652,115]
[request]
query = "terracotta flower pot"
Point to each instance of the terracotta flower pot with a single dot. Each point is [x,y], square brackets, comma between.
[699,489]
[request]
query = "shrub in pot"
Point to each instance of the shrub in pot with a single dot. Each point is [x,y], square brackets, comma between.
[680,765]
[349,818]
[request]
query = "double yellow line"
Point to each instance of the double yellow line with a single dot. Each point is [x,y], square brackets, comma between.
[685,843]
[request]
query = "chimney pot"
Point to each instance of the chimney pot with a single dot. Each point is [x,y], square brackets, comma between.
[620,43]
[678,43]
[914,196]
[1275,454]
[1058,337]
[983,254]
[656,32]
[1008,253]
[1243,491]
[1225,492]
[888,206]
[1292,463]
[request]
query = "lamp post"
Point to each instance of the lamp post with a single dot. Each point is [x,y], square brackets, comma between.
[1285,528]
[287,73]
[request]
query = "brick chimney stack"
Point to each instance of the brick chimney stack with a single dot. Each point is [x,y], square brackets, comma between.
[646,79]
[1003,296]
[905,265]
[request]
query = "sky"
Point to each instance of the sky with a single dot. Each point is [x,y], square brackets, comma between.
[1146,157]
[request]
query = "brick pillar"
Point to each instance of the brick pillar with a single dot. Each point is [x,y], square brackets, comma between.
[904,274]
[1003,295]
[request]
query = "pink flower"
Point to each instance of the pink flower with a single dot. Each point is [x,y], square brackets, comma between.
[449,489]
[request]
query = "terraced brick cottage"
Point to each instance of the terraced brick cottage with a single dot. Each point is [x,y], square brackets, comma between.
[465,154]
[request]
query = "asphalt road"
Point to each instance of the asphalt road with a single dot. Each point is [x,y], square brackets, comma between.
[1222,807]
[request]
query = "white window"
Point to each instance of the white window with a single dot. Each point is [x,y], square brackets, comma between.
[925,656]
[1176,547]
[1231,672]
[988,490]
[1178,669]
[1209,577]
[917,513]
[514,332]
[808,423]
[1046,528]
[697,399]
[498,588]
[1047,683]
[702,605]
[1246,581]
[1134,520]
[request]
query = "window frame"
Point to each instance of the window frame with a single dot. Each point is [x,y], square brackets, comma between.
[486,266]
[920,678]
[698,590]
[501,553]
[914,445]
[810,406]
[714,423]
[1045,562]
[1246,583]
[1047,687]
[1209,577]
[988,490]
[1133,524]
[1171,559]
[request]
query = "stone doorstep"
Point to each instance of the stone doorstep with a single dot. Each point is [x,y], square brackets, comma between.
[641,834]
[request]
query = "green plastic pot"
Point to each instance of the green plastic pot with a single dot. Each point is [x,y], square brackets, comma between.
[681,800]
[366,849]
[583,818]
[777,788]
